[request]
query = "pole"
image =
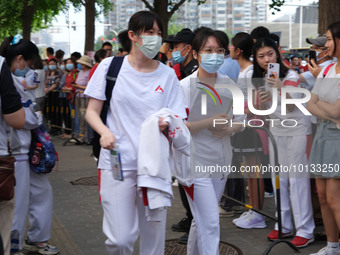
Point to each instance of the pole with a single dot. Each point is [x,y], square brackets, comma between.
[70,30]
[290,29]
[301,20]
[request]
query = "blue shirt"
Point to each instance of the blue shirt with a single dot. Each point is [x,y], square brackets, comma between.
[231,68]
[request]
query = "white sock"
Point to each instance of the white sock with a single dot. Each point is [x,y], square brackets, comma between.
[333,245]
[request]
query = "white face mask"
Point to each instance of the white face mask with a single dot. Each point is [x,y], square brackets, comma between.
[151,45]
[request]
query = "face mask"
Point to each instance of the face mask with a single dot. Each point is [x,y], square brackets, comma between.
[69,67]
[176,55]
[45,68]
[317,54]
[62,67]
[79,66]
[52,67]
[21,73]
[151,45]
[212,62]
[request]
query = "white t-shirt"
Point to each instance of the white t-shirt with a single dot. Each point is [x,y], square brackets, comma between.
[244,80]
[328,88]
[40,80]
[135,97]
[209,150]
[303,126]
[309,77]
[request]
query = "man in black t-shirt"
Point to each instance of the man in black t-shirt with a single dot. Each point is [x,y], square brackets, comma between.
[182,53]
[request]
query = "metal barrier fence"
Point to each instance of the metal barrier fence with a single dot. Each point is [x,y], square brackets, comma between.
[65,112]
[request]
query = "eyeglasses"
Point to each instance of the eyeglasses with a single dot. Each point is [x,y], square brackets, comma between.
[209,50]
[231,47]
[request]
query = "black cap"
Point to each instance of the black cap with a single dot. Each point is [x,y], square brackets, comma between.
[183,36]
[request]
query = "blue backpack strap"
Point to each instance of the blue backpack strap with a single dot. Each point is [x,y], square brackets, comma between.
[327,70]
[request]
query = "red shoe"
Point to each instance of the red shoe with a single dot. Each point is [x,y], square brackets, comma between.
[274,235]
[301,242]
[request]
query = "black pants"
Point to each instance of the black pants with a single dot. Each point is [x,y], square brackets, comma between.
[185,201]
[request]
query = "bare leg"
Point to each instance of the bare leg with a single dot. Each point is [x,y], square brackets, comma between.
[327,214]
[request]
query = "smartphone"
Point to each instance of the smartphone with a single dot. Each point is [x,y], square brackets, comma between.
[262,89]
[273,68]
[312,55]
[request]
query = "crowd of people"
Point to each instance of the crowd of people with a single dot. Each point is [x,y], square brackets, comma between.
[161,122]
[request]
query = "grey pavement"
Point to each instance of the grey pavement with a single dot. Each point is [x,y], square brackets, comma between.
[77,222]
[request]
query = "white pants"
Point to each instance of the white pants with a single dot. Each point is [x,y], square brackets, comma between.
[294,187]
[22,195]
[124,217]
[40,208]
[33,196]
[6,217]
[204,236]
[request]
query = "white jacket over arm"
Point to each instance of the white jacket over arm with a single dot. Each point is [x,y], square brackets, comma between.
[155,162]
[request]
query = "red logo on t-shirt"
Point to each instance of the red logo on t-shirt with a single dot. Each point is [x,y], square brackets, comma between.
[159,90]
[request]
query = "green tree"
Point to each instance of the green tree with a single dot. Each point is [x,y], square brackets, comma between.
[174,27]
[25,16]
[90,15]
[165,9]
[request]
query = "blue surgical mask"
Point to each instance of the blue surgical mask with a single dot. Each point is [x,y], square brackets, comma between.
[151,45]
[69,67]
[21,73]
[62,67]
[317,54]
[46,68]
[176,55]
[52,67]
[212,62]
[79,66]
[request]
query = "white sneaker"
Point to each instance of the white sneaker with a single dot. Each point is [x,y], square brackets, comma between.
[254,220]
[243,215]
[327,251]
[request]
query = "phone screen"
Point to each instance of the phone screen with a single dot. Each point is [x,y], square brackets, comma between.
[312,55]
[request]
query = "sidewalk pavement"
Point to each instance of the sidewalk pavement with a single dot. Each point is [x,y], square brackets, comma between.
[77,221]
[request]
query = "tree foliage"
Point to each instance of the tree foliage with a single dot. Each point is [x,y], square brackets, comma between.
[91,13]
[165,9]
[25,16]
[275,6]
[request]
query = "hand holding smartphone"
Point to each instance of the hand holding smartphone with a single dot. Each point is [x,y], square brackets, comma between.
[312,55]
[273,68]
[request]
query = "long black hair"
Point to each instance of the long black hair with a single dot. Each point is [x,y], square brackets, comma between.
[143,20]
[334,28]
[260,72]
[244,42]
[24,47]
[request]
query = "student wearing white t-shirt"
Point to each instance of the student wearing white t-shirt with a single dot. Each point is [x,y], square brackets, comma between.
[324,156]
[212,144]
[143,87]
[33,192]
[12,116]
[241,50]
[291,144]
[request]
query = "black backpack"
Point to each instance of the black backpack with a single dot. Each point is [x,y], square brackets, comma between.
[111,78]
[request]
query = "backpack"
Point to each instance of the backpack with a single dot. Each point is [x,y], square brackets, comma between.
[42,154]
[111,78]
